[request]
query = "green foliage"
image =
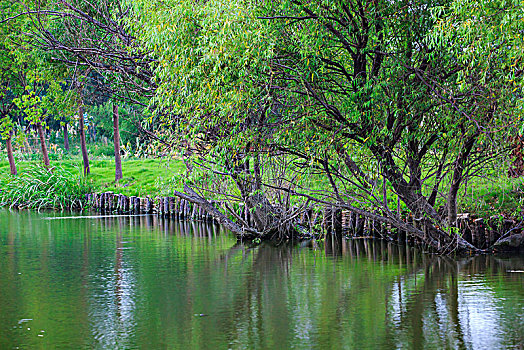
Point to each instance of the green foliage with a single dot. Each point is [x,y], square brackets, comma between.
[485,38]
[102,118]
[209,58]
[99,149]
[41,188]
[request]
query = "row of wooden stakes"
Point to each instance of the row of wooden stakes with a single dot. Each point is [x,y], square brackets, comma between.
[478,231]
[109,202]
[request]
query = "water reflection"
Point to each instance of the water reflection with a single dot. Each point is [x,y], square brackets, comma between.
[145,282]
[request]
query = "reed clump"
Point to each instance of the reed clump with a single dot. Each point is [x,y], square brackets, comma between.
[42,188]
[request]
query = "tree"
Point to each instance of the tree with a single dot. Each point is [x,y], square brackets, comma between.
[11,87]
[93,36]
[116,138]
[318,85]
[32,89]
[485,37]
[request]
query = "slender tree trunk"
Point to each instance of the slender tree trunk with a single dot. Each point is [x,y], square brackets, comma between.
[66,137]
[116,139]
[83,141]
[28,148]
[457,179]
[43,146]
[10,156]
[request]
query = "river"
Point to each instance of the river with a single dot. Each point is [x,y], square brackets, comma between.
[76,282]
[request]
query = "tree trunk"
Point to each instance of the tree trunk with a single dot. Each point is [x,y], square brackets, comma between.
[457,179]
[193,197]
[116,138]
[83,141]
[10,156]
[43,146]
[27,134]
[66,137]
[251,190]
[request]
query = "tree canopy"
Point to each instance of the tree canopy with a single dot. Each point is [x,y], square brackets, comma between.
[374,106]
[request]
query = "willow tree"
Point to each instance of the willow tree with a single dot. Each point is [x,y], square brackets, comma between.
[384,97]
[210,93]
[360,93]
[486,37]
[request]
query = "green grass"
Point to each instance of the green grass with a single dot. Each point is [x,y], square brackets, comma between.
[495,196]
[142,177]
[41,188]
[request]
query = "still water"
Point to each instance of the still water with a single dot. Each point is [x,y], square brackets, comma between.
[145,283]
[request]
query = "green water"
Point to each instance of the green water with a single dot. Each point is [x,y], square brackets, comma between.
[126,283]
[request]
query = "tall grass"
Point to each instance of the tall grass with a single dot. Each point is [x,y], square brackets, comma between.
[41,188]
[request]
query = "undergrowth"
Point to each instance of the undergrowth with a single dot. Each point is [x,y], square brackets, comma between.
[42,188]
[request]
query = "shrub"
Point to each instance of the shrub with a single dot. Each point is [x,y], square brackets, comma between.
[42,188]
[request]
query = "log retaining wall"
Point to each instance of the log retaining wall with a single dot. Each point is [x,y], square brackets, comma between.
[479,232]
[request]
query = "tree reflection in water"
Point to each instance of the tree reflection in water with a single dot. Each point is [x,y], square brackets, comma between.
[145,282]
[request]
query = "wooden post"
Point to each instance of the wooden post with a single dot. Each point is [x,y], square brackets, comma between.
[492,230]
[464,227]
[326,219]
[102,202]
[110,200]
[118,205]
[479,235]
[346,219]
[138,205]
[159,205]
[359,225]
[194,212]
[125,200]
[187,208]
[122,208]
[171,205]
[176,207]
[374,228]
[182,208]
[337,221]
[149,205]
[352,223]
[166,207]
[96,201]
[132,205]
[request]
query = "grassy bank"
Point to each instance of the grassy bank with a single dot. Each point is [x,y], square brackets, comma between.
[142,177]
[498,195]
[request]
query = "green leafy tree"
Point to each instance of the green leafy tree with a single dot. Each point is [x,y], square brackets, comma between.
[34,90]
[356,92]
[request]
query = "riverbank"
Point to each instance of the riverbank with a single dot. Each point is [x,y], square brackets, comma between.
[494,234]
[491,209]
[145,177]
